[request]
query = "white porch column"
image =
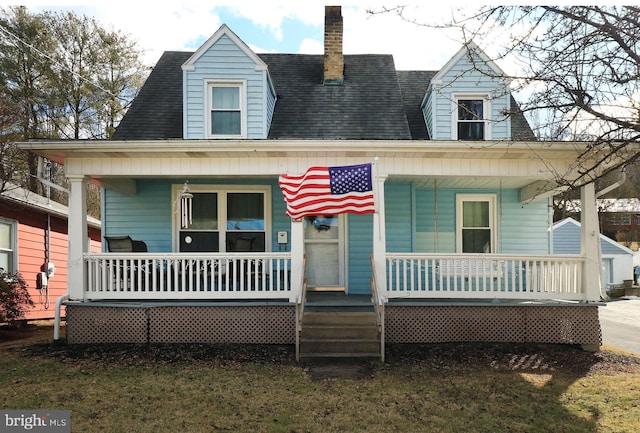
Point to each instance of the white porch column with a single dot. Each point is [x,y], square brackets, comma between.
[590,237]
[78,238]
[297,257]
[380,237]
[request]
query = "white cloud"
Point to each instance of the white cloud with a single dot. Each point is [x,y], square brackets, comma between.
[169,25]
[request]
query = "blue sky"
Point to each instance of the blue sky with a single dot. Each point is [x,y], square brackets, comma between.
[283,27]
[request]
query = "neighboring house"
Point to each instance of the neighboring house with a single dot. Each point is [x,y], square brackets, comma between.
[459,247]
[34,243]
[620,220]
[617,260]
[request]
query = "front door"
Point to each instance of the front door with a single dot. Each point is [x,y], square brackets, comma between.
[325,255]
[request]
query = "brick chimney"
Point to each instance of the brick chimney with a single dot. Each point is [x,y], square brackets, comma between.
[333,59]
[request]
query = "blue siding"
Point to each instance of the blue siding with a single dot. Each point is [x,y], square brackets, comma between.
[271,106]
[420,220]
[463,77]
[567,239]
[427,113]
[435,221]
[147,215]
[225,61]
[360,248]
[144,216]
[399,209]
[522,228]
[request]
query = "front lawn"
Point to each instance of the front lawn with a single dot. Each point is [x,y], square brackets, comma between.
[430,388]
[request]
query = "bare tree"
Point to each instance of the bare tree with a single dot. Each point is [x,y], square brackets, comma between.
[13,161]
[577,68]
[65,77]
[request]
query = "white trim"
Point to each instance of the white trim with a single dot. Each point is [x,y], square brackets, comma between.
[486,112]
[493,223]
[189,65]
[242,88]
[221,191]
[13,247]
[470,48]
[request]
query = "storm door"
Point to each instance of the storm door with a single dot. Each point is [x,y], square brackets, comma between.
[324,238]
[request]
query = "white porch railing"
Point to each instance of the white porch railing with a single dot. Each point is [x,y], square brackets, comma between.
[473,276]
[206,276]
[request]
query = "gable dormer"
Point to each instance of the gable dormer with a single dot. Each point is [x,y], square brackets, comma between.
[227,90]
[468,99]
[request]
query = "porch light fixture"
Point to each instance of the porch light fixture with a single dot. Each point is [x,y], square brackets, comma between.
[186,206]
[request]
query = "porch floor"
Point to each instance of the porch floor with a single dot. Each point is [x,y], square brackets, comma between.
[337,301]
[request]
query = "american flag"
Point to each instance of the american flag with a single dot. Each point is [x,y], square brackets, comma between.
[329,191]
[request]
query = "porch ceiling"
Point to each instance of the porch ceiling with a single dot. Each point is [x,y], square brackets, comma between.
[458,182]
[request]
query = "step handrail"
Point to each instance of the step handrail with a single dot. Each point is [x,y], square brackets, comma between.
[378,306]
[300,304]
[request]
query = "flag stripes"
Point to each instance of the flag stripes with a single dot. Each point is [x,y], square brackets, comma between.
[329,191]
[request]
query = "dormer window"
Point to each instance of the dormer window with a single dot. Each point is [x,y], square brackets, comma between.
[471,120]
[226,104]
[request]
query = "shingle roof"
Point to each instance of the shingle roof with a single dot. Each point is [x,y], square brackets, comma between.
[156,113]
[520,129]
[375,102]
[367,106]
[414,85]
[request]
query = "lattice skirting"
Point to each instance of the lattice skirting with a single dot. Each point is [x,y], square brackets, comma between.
[181,324]
[539,324]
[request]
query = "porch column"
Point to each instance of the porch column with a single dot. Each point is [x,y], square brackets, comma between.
[297,258]
[379,238]
[590,237]
[78,238]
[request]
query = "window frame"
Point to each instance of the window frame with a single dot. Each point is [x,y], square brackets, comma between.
[241,85]
[222,229]
[12,252]
[486,112]
[493,222]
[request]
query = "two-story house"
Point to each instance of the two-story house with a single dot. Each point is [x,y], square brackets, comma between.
[458,247]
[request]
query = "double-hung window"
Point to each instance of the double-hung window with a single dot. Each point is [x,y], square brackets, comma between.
[8,248]
[226,111]
[471,118]
[475,223]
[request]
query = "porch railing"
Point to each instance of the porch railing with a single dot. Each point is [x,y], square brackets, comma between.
[484,276]
[151,276]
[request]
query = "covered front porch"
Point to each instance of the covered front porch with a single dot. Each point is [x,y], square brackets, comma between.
[411,238]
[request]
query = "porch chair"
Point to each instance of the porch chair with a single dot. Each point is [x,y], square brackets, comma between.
[124,244]
[251,267]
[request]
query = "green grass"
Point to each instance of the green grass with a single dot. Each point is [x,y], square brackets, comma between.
[266,397]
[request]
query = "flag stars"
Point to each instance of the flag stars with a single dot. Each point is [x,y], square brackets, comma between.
[349,179]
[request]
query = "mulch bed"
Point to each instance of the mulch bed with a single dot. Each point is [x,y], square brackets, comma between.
[444,356]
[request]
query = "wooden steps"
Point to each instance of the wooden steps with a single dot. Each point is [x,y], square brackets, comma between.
[330,334]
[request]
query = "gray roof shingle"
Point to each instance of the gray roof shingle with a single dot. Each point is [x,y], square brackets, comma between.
[376,102]
[156,113]
[414,85]
[367,106]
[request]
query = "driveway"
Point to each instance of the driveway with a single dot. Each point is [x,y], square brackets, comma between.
[620,324]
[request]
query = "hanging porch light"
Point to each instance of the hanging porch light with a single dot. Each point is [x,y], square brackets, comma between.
[186,206]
